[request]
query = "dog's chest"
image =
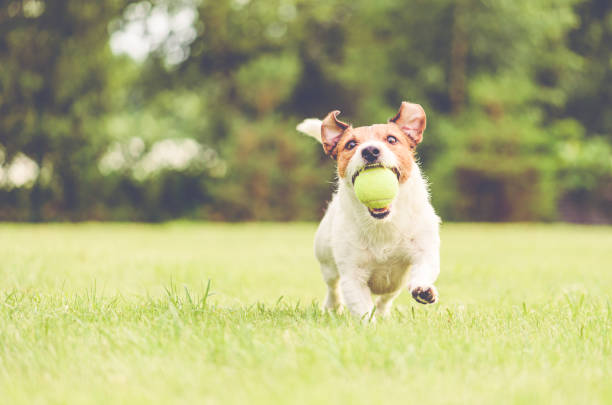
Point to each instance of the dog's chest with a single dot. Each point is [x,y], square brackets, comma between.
[386,262]
[383,247]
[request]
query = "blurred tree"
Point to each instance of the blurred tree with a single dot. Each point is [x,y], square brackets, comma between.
[591,91]
[586,154]
[487,73]
[54,67]
[517,95]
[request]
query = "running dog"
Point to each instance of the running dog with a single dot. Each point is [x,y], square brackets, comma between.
[365,251]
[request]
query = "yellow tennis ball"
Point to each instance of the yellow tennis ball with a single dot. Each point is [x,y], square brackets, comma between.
[376,187]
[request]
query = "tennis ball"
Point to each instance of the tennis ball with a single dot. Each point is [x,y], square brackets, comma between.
[376,187]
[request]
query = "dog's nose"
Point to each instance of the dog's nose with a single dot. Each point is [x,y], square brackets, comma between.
[370,153]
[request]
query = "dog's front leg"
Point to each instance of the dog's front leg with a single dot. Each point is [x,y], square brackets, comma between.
[423,273]
[357,297]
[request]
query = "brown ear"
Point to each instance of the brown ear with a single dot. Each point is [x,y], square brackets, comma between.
[331,132]
[411,120]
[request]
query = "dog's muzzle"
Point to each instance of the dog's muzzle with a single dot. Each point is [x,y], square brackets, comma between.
[370,154]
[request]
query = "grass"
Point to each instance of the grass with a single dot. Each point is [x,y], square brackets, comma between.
[124,313]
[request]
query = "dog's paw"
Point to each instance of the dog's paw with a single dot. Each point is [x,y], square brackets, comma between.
[333,305]
[383,311]
[425,295]
[334,309]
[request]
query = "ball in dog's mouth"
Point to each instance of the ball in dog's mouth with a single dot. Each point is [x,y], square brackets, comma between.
[376,186]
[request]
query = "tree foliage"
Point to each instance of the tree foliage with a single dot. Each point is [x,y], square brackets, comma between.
[518,95]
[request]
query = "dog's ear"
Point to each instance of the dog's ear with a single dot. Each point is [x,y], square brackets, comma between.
[411,120]
[331,132]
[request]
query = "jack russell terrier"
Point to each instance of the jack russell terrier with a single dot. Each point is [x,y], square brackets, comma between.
[366,251]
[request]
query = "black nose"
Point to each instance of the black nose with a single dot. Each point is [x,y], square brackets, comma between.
[370,154]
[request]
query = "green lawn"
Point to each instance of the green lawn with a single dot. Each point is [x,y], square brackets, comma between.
[119,314]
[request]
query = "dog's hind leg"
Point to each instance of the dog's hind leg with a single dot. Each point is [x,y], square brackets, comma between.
[333,300]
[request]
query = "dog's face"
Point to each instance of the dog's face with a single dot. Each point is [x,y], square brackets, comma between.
[391,145]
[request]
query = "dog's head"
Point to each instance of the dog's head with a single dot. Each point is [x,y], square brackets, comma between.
[391,145]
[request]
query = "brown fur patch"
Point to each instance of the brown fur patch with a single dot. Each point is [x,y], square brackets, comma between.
[403,148]
[332,129]
[411,120]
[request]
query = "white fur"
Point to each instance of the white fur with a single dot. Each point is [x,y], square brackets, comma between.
[360,255]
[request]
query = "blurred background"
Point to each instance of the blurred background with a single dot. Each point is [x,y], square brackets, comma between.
[154,110]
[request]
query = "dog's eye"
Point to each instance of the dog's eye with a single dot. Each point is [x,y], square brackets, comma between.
[391,139]
[350,145]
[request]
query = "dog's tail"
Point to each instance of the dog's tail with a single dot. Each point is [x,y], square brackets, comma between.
[311,127]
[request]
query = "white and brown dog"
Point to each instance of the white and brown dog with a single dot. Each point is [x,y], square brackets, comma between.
[364,251]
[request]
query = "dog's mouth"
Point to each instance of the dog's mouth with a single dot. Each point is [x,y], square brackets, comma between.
[380,213]
[372,166]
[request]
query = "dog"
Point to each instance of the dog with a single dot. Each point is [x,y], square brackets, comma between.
[363,251]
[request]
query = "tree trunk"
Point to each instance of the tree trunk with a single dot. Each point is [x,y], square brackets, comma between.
[459,52]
